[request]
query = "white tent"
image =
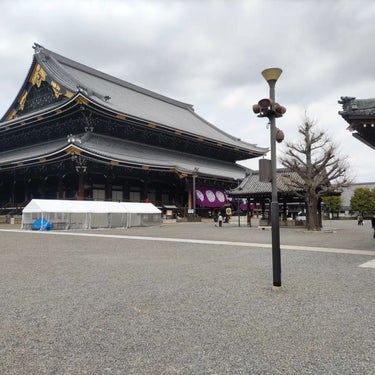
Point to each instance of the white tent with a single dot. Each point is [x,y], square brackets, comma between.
[66,214]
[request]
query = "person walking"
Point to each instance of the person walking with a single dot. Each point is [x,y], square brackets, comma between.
[360,220]
[220,220]
[373,224]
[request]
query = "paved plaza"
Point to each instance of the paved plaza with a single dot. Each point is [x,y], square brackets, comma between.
[187,298]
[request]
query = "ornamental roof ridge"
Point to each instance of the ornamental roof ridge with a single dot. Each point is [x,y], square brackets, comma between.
[52,66]
[352,104]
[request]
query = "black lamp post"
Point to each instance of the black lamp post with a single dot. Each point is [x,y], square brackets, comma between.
[268,108]
[195,175]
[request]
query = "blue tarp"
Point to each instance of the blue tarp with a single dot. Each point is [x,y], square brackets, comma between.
[41,224]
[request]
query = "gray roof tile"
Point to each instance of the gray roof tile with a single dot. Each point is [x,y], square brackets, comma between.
[252,185]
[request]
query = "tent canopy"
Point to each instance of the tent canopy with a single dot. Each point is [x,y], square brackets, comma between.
[65,214]
[65,206]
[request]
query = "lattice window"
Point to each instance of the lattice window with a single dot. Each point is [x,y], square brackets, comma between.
[40,98]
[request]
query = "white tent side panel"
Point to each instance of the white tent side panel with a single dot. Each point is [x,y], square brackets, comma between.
[65,214]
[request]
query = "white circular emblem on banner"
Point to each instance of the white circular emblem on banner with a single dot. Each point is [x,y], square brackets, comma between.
[210,195]
[220,196]
[200,195]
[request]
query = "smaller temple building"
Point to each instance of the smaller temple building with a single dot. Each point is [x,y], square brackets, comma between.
[360,115]
[257,195]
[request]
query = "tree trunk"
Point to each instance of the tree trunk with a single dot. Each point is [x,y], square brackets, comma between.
[312,218]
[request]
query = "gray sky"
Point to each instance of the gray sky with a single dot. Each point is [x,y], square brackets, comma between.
[210,54]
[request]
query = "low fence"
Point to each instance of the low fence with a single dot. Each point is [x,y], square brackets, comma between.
[10,219]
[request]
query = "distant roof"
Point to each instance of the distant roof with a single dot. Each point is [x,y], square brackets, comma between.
[123,97]
[252,186]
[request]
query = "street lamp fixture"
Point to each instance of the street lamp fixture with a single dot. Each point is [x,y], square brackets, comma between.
[272,74]
[270,109]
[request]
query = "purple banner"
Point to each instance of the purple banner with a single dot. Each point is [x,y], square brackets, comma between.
[243,206]
[210,197]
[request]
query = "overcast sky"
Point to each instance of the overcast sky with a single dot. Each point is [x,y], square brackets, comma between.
[210,54]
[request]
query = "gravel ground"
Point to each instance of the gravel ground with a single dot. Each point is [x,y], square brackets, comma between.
[93,305]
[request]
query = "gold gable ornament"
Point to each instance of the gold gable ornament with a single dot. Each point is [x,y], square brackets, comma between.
[38,76]
[56,89]
[22,100]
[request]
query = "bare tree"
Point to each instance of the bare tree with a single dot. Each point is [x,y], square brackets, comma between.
[320,170]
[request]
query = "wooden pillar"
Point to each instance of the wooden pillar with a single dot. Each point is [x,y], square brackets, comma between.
[144,192]
[81,187]
[248,211]
[60,187]
[263,205]
[190,198]
[108,189]
[26,189]
[285,206]
[125,191]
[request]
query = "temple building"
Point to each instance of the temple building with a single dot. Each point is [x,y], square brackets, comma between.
[73,132]
[255,196]
[360,115]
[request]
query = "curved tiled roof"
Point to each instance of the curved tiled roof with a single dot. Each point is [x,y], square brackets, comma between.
[132,152]
[251,184]
[132,100]
[125,153]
